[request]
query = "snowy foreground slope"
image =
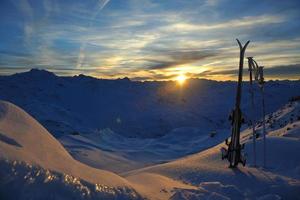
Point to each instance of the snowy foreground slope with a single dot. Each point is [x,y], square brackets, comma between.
[34,164]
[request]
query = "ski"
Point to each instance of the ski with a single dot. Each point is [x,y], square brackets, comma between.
[233,153]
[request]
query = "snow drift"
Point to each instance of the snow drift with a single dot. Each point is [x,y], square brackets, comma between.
[34,163]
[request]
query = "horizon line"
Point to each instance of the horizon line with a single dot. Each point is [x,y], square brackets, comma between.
[28,70]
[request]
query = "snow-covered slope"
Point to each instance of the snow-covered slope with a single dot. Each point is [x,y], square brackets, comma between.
[133,153]
[205,172]
[214,180]
[120,154]
[284,122]
[35,164]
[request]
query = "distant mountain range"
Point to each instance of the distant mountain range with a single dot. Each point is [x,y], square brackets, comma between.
[83,104]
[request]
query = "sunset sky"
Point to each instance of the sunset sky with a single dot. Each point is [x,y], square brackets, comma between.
[149,39]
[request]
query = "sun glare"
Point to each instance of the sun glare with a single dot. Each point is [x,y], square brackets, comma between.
[181,79]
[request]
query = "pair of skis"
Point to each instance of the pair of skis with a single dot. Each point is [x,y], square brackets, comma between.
[234,151]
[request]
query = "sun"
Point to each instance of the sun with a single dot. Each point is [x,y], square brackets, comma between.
[181,79]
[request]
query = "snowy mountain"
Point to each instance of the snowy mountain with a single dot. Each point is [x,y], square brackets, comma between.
[82,104]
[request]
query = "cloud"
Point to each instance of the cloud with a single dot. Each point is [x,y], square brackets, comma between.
[175,58]
[245,22]
[27,11]
[24,7]
[153,77]
[280,72]
[285,71]
[81,54]
[135,37]
[103,3]
[211,2]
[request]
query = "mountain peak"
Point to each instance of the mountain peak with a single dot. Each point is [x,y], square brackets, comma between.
[36,74]
[37,71]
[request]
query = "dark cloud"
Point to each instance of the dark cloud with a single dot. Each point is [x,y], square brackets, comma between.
[153,77]
[14,53]
[282,71]
[175,58]
[202,74]
[13,68]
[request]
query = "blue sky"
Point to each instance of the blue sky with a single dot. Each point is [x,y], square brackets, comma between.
[149,39]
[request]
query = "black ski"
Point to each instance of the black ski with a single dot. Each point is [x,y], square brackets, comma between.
[233,153]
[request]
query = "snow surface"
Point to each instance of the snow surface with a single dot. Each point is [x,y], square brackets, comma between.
[199,176]
[121,154]
[279,180]
[32,160]
[140,140]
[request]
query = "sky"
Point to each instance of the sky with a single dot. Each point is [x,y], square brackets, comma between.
[149,39]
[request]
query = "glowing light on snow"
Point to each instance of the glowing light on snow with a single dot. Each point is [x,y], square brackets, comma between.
[49,177]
